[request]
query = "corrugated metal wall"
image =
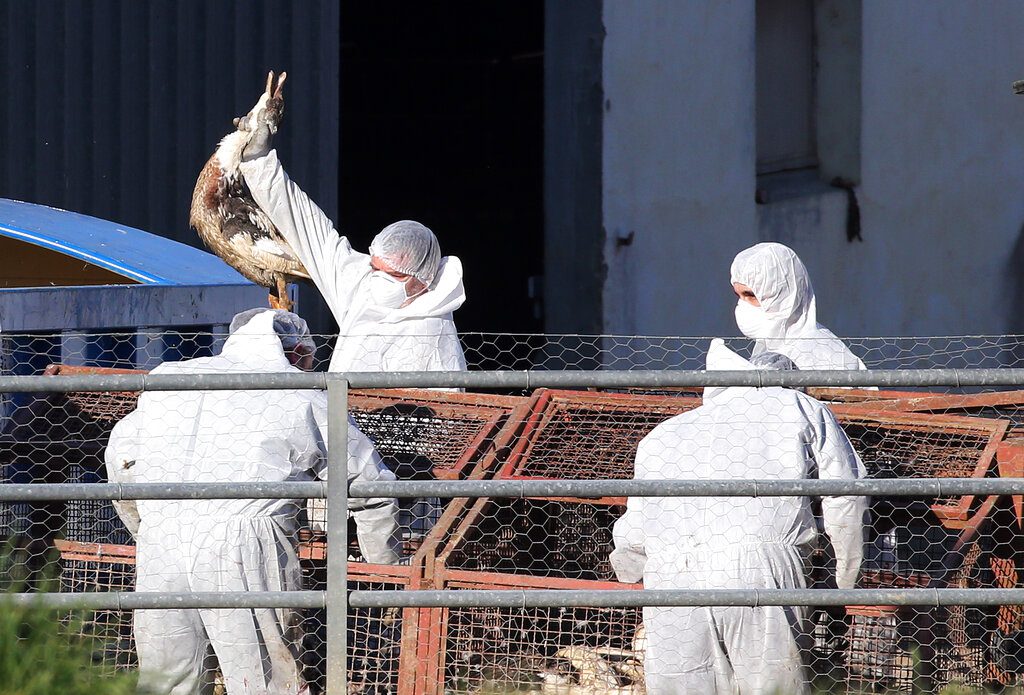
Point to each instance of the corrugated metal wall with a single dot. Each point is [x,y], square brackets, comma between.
[111,108]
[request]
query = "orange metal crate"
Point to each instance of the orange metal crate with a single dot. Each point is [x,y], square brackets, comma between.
[1007,405]
[449,429]
[374,634]
[919,445]
[587,435]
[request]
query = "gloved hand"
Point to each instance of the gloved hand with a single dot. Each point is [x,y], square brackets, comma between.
[259,142]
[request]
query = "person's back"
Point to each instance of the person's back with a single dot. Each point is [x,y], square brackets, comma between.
[736,542]
[229,436]
[737,434]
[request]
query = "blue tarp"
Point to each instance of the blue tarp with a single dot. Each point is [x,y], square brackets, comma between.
[137,255]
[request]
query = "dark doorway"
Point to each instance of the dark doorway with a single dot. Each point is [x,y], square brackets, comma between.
[442,122]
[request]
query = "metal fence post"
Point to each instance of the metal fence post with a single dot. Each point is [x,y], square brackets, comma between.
[337,536]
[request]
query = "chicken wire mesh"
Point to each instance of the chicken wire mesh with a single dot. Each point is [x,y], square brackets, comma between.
[566,543]
[374,635]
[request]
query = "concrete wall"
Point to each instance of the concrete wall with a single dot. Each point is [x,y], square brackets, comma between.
[941,189]
[678,165]
[943,170]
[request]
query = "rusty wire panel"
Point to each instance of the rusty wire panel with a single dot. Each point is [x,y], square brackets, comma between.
[548,538]
[374,634]
[1004,405]
[106,406]
[61,437]
[424,434]
[447,430]
[547,650]
[589,435]
[91,567]
[922,445]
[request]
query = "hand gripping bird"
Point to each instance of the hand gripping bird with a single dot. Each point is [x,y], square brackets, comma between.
[227,218]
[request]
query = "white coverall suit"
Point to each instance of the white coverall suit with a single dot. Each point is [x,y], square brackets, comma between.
[781,284]
[736,542]
[232,545]
[418,337]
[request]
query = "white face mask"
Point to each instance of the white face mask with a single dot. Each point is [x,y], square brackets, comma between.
[386,291]
[753,321]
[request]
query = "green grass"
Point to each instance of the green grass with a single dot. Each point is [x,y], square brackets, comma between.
[40,653]
[39,656]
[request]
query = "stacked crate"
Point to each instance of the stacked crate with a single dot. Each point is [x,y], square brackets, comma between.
[565,543]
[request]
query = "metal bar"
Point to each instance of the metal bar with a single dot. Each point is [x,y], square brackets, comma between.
[337,537]
[30,492]
[894,487]
[157,600]
[902,487]
[556,598]
[514,380]
[517,598]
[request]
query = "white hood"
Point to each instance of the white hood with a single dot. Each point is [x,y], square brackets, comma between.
[254,346]
[781,284]
[721,359]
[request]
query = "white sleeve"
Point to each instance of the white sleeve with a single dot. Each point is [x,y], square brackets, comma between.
[119,458]
[376,518]
[629,556]
[843,516]
[306,228]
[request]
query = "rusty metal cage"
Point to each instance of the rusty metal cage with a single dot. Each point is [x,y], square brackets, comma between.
[91,567]
[548,649]
[565,543]
[374,634]
[921,445]
[447,431]
[424,434]
[588,435]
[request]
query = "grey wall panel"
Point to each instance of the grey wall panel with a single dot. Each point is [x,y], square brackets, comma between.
[111,107]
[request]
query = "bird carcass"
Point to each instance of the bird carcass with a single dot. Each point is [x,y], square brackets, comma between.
[227,218]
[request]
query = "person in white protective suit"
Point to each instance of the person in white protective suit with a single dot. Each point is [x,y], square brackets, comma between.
[777,309]
[394,305]
[736,542]
[233,545]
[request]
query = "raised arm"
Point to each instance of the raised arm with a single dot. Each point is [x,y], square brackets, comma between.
[304,226]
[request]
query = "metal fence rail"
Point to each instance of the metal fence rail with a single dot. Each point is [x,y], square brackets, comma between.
[526,379]
[917,487]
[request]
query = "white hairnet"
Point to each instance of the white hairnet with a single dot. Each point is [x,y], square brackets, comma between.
[289,327]
[779,281]
[410,248]
[773,360]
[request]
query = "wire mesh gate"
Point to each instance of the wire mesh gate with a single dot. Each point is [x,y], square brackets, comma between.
[954,435]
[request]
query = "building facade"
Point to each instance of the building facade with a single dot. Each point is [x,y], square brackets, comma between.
[881,140]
